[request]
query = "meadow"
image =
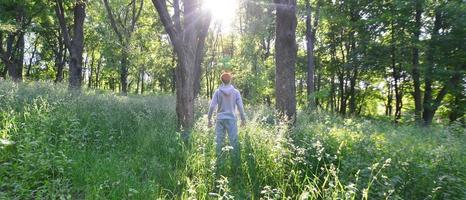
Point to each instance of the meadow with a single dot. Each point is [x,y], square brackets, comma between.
[56,145]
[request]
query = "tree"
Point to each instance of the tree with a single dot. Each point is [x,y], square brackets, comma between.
[415,61]
[74,44]
[20,14]
[124,30]
[187,30]
[444,57]
[311,29]
[285,57]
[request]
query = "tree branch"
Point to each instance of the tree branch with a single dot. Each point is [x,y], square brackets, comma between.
[112,21]
[316,18]
[161,7]
[60,12]
[136,16]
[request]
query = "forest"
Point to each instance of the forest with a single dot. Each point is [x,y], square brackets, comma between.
[355,99]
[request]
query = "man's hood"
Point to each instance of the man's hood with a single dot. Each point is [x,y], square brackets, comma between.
[227,89]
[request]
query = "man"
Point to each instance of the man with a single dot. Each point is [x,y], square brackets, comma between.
[226,99]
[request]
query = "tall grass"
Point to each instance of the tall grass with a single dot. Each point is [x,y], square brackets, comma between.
[101,146]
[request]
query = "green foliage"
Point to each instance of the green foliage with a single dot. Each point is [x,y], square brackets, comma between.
[99,146]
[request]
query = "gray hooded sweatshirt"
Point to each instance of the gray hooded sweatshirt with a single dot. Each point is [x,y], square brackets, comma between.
[227,98]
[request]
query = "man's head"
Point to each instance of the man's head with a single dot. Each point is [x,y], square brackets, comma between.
[225,77]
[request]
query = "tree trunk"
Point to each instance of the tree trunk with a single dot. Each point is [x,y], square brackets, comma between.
[34,51]
[97,72]
[398,94]
[318,86]
[396,74]
[142,80]
[415,62]
[15,56]
[138,81]
[60,60]
[91,68]
[389,106]
[459,101]
[354,69]
[188,39]
[310,41]
[331,101]
[352,91]
[285,58]
[429,107]
[75,44]
[124,72]
[342,95]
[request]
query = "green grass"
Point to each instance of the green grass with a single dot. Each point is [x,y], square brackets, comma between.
[101,146]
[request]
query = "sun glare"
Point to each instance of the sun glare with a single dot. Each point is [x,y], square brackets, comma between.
[223,12]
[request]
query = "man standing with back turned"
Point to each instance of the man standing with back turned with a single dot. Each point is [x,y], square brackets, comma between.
[226,98]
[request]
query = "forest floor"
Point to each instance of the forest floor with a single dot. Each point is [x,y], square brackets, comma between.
[101,146]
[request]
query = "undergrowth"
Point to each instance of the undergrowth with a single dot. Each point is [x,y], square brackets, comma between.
[56,145]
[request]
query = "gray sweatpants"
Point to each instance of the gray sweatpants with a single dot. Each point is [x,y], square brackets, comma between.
[222,126]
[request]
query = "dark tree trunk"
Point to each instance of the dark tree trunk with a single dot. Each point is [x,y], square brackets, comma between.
[2,56]
[331,101]
[398,94]
[285,58]
[396,74]
[389,105]
[458,109]
[33,55]
[428,109]
[352,91]
[354,71]
[173,80]
[91,69]
[138,81]
[60,59]
[97,72]
[342,95]
[124,73]
[75,45]
[318,86]
[14,55]
[7,54]
[430,105]
[459,101]
[142,80]
[59,65]
[415,62]
[310,41]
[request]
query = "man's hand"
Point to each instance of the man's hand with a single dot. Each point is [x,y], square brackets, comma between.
[209,124]
[243,123]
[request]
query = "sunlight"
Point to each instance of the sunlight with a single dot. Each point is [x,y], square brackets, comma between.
[223,12]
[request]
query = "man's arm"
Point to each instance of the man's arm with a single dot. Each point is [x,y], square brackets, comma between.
[212,106]
[239,103]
